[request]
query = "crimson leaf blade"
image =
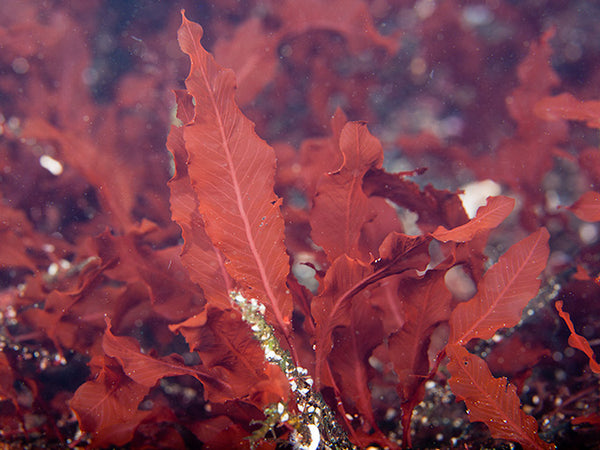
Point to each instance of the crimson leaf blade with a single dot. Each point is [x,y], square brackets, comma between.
[504,291]
[491,400]
[232,171]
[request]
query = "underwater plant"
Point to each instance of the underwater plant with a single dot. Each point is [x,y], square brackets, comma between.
[297,292]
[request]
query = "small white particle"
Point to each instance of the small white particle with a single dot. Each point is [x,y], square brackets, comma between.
[315,437]
[270,355]
[303,391]
[52,269]
[51,165]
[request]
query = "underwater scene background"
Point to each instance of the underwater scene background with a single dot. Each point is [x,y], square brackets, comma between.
[299,224]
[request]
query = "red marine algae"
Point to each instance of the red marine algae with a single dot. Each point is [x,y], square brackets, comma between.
[301,285]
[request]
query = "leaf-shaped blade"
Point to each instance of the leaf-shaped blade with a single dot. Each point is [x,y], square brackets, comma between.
[489,216]
[565,106]
[503,292]
[146,370]
[332,307]
[491,400]
[341,207]
[202,260]
[433,206]
[587,208]
[232,172]
[222,341]
[426,303]
[107,407]
[576,340]
[349,358]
